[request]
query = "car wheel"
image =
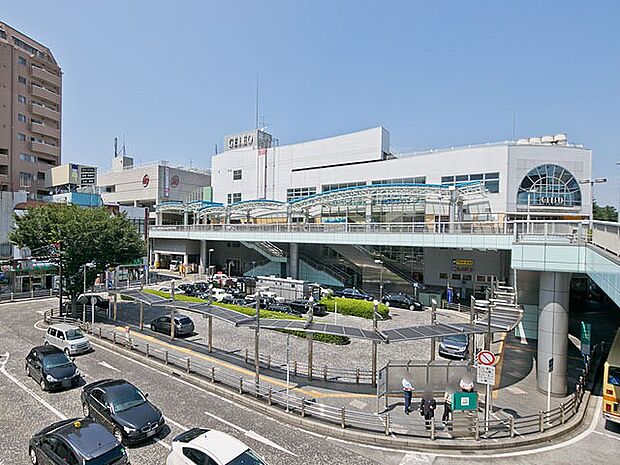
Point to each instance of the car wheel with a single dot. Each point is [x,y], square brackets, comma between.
[387,303]
[46,343]
[411,307]
[118,435]
[33,456]
[43,385]
[152,327]
[86,409]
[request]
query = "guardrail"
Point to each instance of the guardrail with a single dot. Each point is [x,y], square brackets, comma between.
[606,235]
[345,417]
[13,296]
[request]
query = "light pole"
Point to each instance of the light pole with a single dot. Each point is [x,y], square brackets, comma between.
[310,316]
[374,343]
[209,269]
[592,182]
[380,263]
[85,266]
[256,339]
[433,321]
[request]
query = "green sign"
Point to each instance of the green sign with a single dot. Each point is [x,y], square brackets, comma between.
[586,335]
[465,401]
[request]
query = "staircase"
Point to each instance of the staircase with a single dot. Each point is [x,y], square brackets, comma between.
[268,250]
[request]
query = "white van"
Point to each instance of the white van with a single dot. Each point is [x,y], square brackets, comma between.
[67,338]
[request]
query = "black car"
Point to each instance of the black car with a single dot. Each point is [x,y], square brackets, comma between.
[123,409]
[353,293]
[183,325]
[51,368]
[264,302]
[402,301]
[76,442]
[300,306]
[281,307]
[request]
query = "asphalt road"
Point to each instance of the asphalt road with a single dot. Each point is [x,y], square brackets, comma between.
[24,409]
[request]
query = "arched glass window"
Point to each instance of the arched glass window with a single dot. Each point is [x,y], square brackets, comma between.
[549,186]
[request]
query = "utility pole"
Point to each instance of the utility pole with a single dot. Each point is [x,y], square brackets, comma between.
[60,277]
[374,343]
[256,342]
[433,321]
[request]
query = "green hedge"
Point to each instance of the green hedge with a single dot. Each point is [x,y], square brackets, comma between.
[329,338]
[361,308]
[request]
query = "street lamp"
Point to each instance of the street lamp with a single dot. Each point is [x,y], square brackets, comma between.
[592,182]
[380,263]
[210,252]
[375,304]
[85,266]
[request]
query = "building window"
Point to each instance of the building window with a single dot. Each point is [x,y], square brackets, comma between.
[21,137]
[4,170]
[22,99]
[22,61]
[27,158]
[299,192]
[237,174]
[22,118]
[342,185]
[22,80]
[25,179]
[41,175]
[549,186]
[415,180]
[234,197]
[490,180]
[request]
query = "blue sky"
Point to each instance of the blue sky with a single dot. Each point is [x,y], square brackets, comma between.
[172,78]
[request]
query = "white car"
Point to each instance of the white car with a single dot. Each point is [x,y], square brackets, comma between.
[68,338]
[201,446]
[218,294]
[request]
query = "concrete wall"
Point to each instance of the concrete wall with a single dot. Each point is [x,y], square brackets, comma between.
[438,261]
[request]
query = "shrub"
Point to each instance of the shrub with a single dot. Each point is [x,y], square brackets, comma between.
[329,338]
[361,308]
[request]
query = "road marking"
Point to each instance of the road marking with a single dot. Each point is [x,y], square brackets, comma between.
[108,366]
[617,438]
[43,402]
[162,443]
[178,425]
[251,434]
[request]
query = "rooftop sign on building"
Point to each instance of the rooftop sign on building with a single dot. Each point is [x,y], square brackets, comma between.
[257,139]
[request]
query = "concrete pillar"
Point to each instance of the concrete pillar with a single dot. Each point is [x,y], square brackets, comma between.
[157,263]
[185,261]
[553,330]
[203,257]
[293,261]
[185,218]
[369,211]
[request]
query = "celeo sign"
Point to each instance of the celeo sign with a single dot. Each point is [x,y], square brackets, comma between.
[551,200]
[256,138]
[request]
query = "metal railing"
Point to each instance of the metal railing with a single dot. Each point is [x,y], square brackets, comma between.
[346,417]
[13,296]
[606,235]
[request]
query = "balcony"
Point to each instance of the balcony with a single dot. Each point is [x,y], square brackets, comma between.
[45,130]
[42,147]
[44,93]
[46,112]
[45,76]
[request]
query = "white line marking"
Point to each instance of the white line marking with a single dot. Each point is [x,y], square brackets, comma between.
[28,391]
[108,366]
[617,438]
[251,434]
[522,333]
[163,444]
[178,425]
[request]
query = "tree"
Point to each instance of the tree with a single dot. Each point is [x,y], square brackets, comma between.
[607,213]
[85,235]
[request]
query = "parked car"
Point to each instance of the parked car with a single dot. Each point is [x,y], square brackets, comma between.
[402,301]
[68,338]
[76,442]
[183,325]
[353,293]
[280,307]
[218,294]
[264,302]
[123,409]
[204,446]
[234,301]
[454,347]
[51,368]
[300,306]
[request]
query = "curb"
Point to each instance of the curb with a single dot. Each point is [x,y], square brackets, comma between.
[350,434]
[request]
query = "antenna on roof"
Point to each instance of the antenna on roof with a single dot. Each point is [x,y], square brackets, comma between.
[115,147]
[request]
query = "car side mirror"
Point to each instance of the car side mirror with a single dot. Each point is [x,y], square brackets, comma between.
[73,359]
[146,394]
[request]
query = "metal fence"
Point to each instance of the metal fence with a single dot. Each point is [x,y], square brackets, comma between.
[345,417]
[13,296]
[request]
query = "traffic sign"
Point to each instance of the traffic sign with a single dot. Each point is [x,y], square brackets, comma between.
[486,374]
[465,401]
[486,358]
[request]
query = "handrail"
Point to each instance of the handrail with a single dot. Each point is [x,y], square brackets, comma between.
[349,418]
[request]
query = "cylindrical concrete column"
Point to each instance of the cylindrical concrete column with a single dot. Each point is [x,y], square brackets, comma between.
[553,330]
[293,260]
[203,257]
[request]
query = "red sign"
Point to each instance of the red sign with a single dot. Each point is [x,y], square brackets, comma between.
[145,180]
[174,182]
[486,358]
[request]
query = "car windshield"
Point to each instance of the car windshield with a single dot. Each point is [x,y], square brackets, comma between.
[613,376]
[184,321]
[126,398]
[456,339]
[108,457]
[74,334]
[56,360]
[247,458]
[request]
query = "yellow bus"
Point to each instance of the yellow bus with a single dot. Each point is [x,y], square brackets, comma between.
[611,382]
